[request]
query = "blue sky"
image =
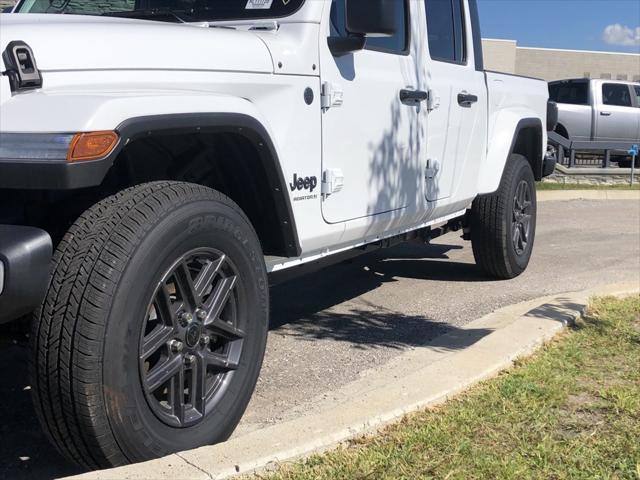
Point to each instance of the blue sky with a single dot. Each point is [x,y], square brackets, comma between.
[609,25]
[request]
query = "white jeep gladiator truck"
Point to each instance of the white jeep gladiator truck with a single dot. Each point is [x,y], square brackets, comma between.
[163,161]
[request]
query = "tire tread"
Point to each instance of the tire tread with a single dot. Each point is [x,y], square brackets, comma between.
[489,225]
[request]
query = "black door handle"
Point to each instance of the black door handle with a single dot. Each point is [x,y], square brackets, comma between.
[413,97]
[466,99]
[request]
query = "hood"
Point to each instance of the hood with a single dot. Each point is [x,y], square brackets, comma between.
[76,42]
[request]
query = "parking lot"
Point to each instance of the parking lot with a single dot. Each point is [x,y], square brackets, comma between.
[329,328]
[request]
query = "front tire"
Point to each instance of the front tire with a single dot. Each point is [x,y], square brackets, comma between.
[152,333]
[503,224]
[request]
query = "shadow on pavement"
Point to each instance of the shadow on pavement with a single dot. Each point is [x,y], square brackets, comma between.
[311,294]
[300,304]
[563,311]
[386,329]
[25,452]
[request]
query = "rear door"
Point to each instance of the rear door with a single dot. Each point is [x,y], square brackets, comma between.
[575,120]
[616,118]
[456,137]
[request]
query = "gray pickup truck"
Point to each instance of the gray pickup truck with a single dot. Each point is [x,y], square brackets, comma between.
[599,111]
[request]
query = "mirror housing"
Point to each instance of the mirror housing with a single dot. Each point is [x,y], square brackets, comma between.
[364,18]
[371,18]
[340,46]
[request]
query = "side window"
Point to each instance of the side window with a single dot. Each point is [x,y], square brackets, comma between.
[573,93]
[397,43]
[637,91]
[616,94]
[445,25]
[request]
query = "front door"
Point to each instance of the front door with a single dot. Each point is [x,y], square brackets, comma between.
[617,119]
[370,137]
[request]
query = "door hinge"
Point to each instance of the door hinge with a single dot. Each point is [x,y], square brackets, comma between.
[332,181]
[433,167]
[331,96]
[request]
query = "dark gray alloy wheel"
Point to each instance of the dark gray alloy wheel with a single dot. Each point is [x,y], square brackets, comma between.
[152,333]
[521,221]
[503,223]
[192,340]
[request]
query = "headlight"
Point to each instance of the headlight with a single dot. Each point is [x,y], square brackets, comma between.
[35,146]
[71,147]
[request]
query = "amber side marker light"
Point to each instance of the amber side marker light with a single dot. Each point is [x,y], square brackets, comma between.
[91,146]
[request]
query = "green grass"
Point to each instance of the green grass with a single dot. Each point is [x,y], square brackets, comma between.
[570,412]
[576,186]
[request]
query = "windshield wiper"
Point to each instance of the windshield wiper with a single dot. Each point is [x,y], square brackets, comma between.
[152,14]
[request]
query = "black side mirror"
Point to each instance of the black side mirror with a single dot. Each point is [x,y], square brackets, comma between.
[364,18]
[340,46]
[371,18]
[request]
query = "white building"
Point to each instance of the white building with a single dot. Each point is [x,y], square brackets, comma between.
[556,64]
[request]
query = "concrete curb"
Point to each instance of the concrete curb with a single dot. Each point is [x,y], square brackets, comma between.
[555,195]
[577,172]
[416,379]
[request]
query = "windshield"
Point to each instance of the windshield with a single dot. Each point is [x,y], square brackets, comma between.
[168,10]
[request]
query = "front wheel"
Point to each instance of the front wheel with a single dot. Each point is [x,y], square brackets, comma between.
[153,330]
[503,224]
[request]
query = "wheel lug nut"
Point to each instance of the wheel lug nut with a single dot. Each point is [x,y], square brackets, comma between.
[189,359]
[176,346]
[204,340]
[185,319]
[201,314]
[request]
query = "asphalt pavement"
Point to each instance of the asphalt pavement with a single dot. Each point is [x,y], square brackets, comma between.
[329,327]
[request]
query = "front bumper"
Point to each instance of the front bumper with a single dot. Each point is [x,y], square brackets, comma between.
[25,258]
[54,175]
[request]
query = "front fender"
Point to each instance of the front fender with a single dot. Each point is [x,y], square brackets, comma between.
[502,139]
[130,115]
[38,112]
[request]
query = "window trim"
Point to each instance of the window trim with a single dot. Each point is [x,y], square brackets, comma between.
[465,49]
[476,35]
[635,97]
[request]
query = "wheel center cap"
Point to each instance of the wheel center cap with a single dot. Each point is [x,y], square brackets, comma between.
[192,335]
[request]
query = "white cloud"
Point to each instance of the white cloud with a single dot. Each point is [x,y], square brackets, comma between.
[622,35]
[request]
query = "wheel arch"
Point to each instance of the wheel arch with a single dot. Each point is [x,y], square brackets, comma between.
[240,140]
[562,131]
[513,133]
[528,142]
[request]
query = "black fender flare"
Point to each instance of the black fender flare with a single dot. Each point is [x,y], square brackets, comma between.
[143,127]
[532,150]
